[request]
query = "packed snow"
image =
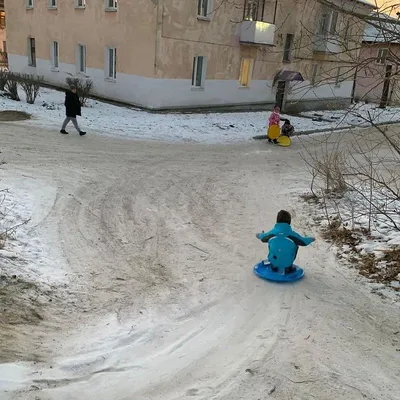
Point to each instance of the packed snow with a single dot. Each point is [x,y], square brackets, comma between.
[107,119]
[157,244]
[23,205]
[357,115]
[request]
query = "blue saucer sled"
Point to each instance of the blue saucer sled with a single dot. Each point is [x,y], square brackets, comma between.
[263,270]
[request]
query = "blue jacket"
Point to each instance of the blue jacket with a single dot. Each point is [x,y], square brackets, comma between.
[283,244]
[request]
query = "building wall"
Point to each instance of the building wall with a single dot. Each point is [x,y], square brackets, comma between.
[155,55]
[92,26]
[126,30]
[370,79]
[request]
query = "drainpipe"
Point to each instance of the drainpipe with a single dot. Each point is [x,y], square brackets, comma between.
[159,22]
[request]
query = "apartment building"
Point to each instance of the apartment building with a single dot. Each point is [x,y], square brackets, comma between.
[378,69]
[166,54]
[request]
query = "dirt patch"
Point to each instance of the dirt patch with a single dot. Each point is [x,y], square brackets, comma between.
[9,115]
[382,269]
[340,235]
[21,307]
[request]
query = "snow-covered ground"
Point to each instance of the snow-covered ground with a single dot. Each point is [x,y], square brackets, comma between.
[377,230]
[23,206]
[356,115]
[156,244]
[104,118]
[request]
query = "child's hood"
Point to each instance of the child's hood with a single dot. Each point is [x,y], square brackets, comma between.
[283,227]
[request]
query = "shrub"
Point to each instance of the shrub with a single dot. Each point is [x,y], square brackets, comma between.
[83,88]
[31,86]
[3,78]
[11,86]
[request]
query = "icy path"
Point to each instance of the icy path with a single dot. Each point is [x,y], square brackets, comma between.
[156,242]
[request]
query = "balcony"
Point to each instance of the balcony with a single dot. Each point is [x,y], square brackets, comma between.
[257,32]
[326,44]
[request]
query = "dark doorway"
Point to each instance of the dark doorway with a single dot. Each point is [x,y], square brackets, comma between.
[280,94]
[386,87]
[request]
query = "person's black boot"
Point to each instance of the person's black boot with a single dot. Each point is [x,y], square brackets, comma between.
[81,133]
[290,270]
[63,131]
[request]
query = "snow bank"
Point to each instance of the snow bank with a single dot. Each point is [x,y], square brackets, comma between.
[377,231]
[107,119]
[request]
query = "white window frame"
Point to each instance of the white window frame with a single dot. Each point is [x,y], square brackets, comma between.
[53,4]
[31,62]
[329,29]
[55,55]
[204,9]
[111,71]
[111,5]
[253,10]
[80,3]
[203,76]
[382,56]
[79,61]
[29,4]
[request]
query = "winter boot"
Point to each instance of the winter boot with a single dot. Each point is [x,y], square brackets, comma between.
[290,270]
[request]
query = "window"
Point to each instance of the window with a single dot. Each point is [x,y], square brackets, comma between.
[382,55]
[81,58]
[204,8]
[52,3]
[246,67]
[111,5]
[199,71]
[254,10]
[347,31]
[328,22]
[334,20]
[112,63]
[314,73]
[80,3]
[29,3]
[2,20]
[31,52]
[339,77]
[287,53]
[54,55]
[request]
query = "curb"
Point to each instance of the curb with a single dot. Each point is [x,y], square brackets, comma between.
[344,128]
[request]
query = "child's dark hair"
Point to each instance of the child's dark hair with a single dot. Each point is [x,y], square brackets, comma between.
[284,216]
[287,121]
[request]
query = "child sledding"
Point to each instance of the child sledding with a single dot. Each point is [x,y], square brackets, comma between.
[283,243]
[277,135]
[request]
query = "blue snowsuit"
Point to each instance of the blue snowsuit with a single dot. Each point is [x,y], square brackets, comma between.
[283,244]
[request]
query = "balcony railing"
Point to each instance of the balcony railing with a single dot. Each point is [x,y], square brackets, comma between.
[257,32]
[326,44]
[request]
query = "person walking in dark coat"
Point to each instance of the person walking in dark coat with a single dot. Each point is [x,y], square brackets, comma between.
[72,109]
